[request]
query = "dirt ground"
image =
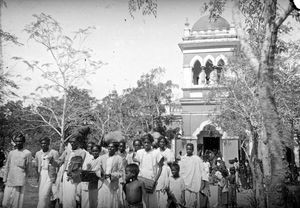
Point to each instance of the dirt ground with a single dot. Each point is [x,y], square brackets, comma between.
[31,196]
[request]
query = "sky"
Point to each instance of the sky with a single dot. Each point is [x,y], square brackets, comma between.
[129,46]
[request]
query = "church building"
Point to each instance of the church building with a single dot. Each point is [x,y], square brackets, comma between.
[206,48]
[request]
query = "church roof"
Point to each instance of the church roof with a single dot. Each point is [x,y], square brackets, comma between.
[205,23]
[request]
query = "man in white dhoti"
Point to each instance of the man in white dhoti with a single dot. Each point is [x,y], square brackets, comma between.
[191,169]
[46,172]
[17,168]
[163,180]
[110,171]
[82,189]
[151,162]
[69,185]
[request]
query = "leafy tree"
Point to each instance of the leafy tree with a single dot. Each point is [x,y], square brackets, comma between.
[48,113]
[148,7]
[259,45]
[240,112]
[138,109]
[6,84]
[241,116]
[6,87]
[71,65]
[258,31]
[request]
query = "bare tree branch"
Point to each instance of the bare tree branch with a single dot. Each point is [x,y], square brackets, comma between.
[245,46]
[283,17]
[43,118]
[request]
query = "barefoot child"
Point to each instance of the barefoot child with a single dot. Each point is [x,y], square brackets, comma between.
[232,187]
[176,190]
[222,189]
[134,189]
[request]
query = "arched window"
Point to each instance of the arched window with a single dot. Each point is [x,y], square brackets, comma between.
[196,71]
[208,69]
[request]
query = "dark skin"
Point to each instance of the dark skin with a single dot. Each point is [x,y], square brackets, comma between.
[89,147]
[45,147]
[175,174]
[74,143]
[96,152]
[122,147]
[189,150]
[162,144]
[19,143]
[111,152]
[148,147]
[134,189]
[137,145]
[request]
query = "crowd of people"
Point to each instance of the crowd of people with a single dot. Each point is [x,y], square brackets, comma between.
[96,176]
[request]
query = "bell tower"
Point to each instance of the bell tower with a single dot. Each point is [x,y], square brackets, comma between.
[206,48]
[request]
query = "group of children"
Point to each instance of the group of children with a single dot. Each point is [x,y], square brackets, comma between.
[227,181]
[134,188]
[147,177]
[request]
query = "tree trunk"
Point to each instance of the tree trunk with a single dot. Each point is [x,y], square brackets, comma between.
[1,39]
[276,188]
[257,170]
[63,121]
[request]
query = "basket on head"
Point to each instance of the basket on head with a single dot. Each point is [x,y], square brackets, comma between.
[114,136]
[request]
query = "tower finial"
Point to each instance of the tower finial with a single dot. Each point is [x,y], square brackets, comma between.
[187,24]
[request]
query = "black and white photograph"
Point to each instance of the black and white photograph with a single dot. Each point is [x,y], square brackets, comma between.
[149,103]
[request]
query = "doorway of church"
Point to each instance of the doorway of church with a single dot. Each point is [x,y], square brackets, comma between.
[211,143]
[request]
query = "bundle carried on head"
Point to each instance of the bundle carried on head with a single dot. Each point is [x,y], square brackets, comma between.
[84,131]
[114,136]
[81,134]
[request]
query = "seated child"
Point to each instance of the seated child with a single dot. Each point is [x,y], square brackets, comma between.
[133,188]
[176,189]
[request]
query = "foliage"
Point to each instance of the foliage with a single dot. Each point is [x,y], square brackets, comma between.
[138,109]
[70,66]
[50,113]
[71,63]
[6,87]
[148,7]
[239,110]
[15,118]
[287,86]
[8,37]
[263,24]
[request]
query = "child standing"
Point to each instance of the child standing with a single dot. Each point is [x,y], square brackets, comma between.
[232,187]
[176,190]
[205,189]
[222,189]
[133,188]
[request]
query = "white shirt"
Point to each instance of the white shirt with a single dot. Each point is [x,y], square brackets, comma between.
[148,162]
